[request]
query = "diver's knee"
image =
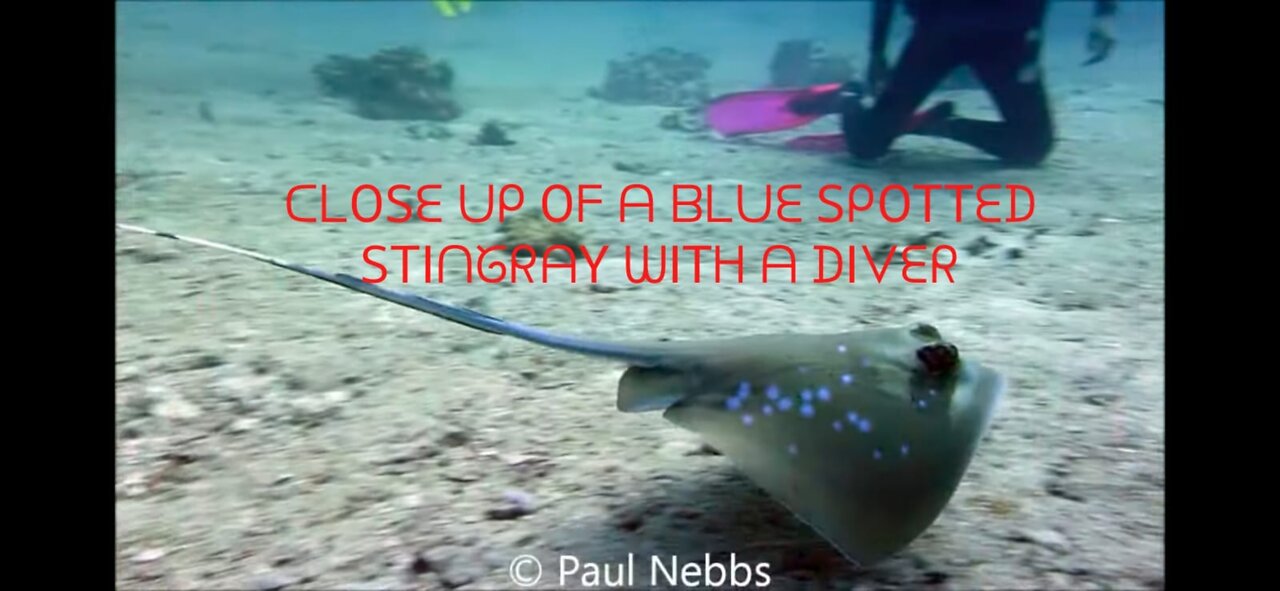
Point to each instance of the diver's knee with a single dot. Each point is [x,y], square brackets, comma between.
[866,146]
[865,136]
[1033,150]
[867,151]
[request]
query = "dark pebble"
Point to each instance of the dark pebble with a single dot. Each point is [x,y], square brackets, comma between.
[1060,489]
[633,167]
[455,438]
[272,582]
[980,245]
[206,361]
[515,504]
[1101,399]
[146,256]
[935,577]
[631,523]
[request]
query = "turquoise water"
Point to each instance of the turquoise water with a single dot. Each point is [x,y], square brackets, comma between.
[275,430]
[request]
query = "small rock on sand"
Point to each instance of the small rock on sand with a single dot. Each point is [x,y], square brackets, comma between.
[1045,538]
[272,581]
[514,504]
[175,408]
[148,555]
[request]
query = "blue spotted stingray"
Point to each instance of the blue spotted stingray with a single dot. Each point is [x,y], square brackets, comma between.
[862,435]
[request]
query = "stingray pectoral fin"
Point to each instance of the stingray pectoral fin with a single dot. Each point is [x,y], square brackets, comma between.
[643,389]
[832,481]
[868,470]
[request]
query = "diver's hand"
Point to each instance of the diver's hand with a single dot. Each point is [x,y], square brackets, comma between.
[1101,41]
[877,74]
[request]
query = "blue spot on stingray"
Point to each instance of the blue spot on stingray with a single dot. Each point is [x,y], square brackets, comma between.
[905,449]
[784,405]
[748,420]
[792,449]
[733,403]
[846,379]
[866,361]
[806,395]
[876,454]
[864,426]
[922,403]
[767,410]
[806,410]
[771,392]
[933,391]
[744,389]
[837,425]
[841,348]
[824,394]
[852,416]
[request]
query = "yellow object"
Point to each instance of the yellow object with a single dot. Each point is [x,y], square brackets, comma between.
[451,8]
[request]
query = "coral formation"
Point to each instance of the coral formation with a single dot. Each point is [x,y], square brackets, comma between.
[664,77]
[688,120]
[530,227]
[492,134]
[396,83]
[802,62]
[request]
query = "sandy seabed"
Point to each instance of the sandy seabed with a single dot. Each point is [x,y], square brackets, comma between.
[275,431]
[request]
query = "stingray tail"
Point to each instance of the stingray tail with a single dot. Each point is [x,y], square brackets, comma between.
[631,354]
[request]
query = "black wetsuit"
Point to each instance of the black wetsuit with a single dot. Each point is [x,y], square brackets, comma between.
[999,40]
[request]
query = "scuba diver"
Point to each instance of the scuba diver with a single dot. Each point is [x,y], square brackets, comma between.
[999,40]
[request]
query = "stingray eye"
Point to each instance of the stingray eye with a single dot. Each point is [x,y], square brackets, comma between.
[940,358]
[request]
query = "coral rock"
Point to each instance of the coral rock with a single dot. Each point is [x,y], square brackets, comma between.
[666,77]
[398,83]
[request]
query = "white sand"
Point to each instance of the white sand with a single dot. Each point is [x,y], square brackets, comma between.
[276,429]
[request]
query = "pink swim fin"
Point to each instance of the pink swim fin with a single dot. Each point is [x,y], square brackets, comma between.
[762,111]
[834,142]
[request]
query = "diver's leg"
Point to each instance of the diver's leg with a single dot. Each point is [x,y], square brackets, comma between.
[1009,67]
[924,62]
